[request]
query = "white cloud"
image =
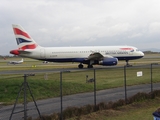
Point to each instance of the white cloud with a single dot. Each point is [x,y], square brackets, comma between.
[81,22]
[154,28]
[135,35]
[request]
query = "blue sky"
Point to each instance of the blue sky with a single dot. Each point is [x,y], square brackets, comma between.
[82,22]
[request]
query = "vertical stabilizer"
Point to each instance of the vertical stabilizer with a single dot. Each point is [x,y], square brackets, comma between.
[21,60]
[24,40]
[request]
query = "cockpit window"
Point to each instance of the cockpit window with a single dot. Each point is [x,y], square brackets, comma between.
[132,50]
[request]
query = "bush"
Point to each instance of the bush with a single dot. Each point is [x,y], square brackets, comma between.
[77,112]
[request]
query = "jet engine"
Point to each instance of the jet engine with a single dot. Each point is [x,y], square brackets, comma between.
[108,61]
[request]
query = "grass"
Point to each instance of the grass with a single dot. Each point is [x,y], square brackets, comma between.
[136,111]
[73,82]
[36,64]
[31,64]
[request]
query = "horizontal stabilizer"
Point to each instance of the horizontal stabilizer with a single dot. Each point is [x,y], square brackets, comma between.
[24,52]
[17,52]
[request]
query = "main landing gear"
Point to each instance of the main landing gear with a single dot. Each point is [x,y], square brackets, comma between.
[127,64]
[90,66]
[81,66]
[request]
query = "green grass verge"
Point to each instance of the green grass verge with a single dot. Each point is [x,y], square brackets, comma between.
[73,82]
[136,111]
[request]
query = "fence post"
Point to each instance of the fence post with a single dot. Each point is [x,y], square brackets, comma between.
[125,84]
[95,90]
[25,97]
[61,94]
[61,115]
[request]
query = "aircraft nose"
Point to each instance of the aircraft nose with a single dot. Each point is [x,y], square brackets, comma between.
[141,53]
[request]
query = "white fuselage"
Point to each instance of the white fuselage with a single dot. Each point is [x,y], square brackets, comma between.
[16,62]
[65,54]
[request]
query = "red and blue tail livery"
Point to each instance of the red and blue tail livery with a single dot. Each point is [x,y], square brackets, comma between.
[24,41]
[17,31]
[90,55]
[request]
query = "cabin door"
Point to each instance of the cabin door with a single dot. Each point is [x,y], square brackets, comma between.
[42,53]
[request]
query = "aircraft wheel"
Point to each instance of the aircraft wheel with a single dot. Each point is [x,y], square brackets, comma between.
[90,66]
[80,66]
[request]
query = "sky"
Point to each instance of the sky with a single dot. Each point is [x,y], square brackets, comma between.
[56,23]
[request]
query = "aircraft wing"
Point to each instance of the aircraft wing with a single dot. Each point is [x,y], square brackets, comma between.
[95,56]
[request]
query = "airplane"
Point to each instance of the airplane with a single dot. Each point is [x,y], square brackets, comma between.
[16,62]
[90,55]
[45,62]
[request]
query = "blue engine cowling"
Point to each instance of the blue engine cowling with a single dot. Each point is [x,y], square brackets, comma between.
[108,61]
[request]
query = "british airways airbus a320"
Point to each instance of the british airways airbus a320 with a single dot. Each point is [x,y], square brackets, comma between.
[90,55]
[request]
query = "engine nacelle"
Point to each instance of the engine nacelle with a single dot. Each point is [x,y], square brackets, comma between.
[108,61]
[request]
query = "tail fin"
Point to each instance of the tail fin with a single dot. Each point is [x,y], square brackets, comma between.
[24,41]
[21,60]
